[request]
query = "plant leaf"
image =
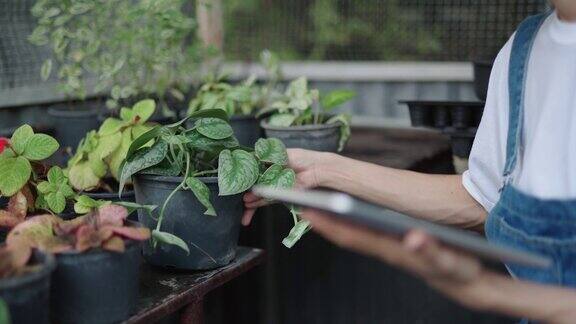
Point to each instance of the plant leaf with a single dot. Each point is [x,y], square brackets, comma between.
[20,138]
[144,109]
[14,173]
[202,193]
[214,128]
[271,150]
[40,147]
[55,175]
[336,98]
[85,204]
[296,233]
[281,120]
[206,113]
[171,239]
[107,144]
[46,69]
[82,177]
[345,131]
[143,140]
[56,201]
[110,126]
[278,176]
[202,143]
[141,160]
[237,172]
[115,159]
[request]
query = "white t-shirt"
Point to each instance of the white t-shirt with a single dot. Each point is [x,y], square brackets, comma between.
[547,166]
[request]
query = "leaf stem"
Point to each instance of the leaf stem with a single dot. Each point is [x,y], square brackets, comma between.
[180,186]
[204,173]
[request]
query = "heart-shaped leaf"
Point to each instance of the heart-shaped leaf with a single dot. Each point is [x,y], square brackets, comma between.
[237,172]
[141,160]
[82,177]
[167,238]
[271,150]
[214,128]
[110,126]
[202,193]
[278,176]
[14,173]
[143,140]
[144,110]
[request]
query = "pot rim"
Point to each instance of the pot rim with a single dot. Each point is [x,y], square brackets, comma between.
[264,124]
[125,194]
[47,267]
[177,180]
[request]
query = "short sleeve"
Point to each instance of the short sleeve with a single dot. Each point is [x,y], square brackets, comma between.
[483,178]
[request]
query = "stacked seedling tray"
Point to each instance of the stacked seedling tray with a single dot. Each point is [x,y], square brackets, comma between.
[458,119]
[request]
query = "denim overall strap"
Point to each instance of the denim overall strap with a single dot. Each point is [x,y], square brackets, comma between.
[518,66]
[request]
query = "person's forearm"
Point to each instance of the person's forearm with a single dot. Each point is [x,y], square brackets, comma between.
[439,198]
[504,295]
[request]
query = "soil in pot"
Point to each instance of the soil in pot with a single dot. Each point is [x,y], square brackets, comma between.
[72,120]
[96,286]
[28,295]
[212,240]
[323,137]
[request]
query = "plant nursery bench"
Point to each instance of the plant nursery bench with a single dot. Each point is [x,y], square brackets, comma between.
[164,292]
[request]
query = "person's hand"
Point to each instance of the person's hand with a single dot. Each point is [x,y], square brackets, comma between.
[308,168]
[455,273]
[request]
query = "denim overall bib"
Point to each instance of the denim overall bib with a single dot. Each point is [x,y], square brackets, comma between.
[521,221]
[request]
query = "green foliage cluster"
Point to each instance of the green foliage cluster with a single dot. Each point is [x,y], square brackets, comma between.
[133,48]
[207,148]
[301,106]
[101,152]
[329,30]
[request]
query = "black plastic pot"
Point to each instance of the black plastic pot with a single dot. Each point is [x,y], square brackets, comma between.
[3,231]
[96,286]
[216,236]
[482,70]
[71,123]
[246,129]
[323,137]
[28,296]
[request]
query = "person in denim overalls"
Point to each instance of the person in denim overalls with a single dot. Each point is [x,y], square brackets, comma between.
[542,223]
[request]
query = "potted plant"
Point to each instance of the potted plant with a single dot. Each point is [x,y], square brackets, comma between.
[25,285]
[241,102]
[94,168]
[97,256]
[301,118]
[125,50]
[198,176]
[21,171]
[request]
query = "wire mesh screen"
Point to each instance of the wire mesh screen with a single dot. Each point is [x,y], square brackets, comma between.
[20,61]
[445,30]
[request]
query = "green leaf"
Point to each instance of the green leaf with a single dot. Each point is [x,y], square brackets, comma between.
[82,177]
[4,313]
[296,233]
[115,159]
[143,140]
[99,168]
[345,131]
[132,206]
[281,120]
[207,113]
[40,147]
[202,193]
[271,150]
[144,109]
[278,176]
[46,69]
[110,126]
[56,175]
[85,204]
[141,160]
[45,187]
[164,168]
[214,128]
[14,173]
[200,142]
[107,144]
[237,172]
[336,98]
[171,239]
[126,114]
[20,138]
[56,201]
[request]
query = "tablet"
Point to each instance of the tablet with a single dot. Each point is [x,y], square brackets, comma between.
[345,207]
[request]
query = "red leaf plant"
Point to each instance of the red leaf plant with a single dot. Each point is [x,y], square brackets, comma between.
[103,228]
[4,142]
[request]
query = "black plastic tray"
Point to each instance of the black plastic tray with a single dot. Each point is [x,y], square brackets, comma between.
[442,114]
